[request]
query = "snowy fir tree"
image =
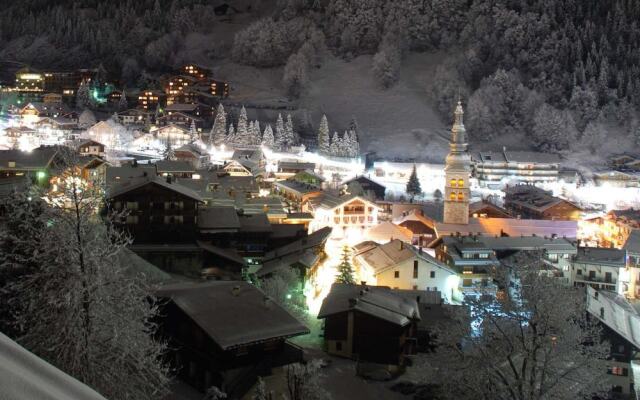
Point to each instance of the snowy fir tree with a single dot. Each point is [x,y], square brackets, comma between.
[168,152]
[437,195]
[413,185]
[256,137]
[304,382]
[290,135]
[345,269]
[324,141]
[334,148]
[242,137]
[267,139]
[83,96]
[122,103]
[218,130]
[280,135]
[193,132]
[231,135]
[355,144]
[158,112]
[77,304]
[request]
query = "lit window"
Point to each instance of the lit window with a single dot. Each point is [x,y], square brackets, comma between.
[460,182]
[460,196]
[452,196]
[453,183]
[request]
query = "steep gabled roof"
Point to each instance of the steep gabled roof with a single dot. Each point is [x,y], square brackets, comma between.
[376,301]
[136,183]
[233,313]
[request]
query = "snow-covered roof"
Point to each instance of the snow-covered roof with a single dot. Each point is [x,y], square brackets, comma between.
[510,227]
[136,183]
[381,257]
[24,376]
[387,230]
[233,313]
[377,301]
[632,245]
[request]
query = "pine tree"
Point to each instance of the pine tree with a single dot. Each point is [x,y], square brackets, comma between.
[334,149]
[157,113]
[280,135]
[324,142]
[242,137]
[168,153]
[122,104]
[256,139]
[83,96]
[289,133]
[267,139]
[355,144]
[218,130]
[193,132]
[231,136]
[413,185]
[345,269]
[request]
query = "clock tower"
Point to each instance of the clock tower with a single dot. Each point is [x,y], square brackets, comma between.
[457,171]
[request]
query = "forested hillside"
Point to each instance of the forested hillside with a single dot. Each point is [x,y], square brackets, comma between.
[556,71]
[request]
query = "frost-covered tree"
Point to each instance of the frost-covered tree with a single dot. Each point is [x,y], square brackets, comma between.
[168,151]
[386,67]
[413,185]
[553,130]
[242,137]
[303,382]
[281,139]
[354,143]
[192,130]
[334,148]
[295,79]
[86,119]
[80,307]
[213,393]
[324,142]
[218,130]
[346,274]
[256,137]
[584,104]
[437,195]
[267,139]
[83,96]
[291,137]
[261,392]
[523,346]
[122,103]
[231,135]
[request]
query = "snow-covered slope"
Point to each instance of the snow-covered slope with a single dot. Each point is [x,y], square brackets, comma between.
[23,376]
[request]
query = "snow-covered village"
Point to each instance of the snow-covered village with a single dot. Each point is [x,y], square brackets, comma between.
[319,199]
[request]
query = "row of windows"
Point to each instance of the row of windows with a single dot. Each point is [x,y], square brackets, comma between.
[168,219]
[432,274]
[457,183]
[456,196]
[168,205]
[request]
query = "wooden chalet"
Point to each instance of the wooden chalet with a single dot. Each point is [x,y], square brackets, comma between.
[225,334]
[369,323]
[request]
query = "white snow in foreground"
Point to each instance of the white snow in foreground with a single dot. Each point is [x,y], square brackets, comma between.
[23,376]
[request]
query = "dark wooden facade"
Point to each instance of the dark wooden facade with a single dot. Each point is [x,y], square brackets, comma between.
[157,214]
[202,363]
[372,339]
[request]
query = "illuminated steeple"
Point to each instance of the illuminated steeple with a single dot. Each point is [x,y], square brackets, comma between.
[457,172]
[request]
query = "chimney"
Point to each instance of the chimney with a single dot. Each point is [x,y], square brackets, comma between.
[236,290]
[267,301]
[169,179]
[353,302]
[401,245]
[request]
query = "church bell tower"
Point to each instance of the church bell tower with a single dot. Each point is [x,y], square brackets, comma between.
[457,171]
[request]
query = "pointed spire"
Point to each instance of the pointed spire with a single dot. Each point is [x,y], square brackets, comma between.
[459,113]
